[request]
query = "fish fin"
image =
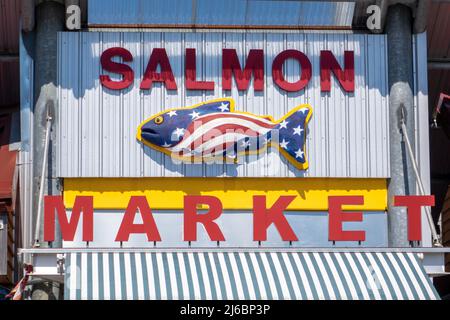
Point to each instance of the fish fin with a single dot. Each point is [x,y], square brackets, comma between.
[216,105]
[292,135]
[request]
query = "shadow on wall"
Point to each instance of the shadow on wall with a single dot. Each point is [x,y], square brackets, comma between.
[220,169]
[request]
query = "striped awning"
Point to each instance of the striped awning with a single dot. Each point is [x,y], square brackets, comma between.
[246,275]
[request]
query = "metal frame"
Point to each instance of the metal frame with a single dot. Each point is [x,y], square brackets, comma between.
[271,249]
[50,262]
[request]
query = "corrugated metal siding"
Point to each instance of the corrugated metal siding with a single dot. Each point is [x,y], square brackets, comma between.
[348,133]
[26,181]
[220,13]
[438,26]
[439,48]
[9,68]
[422,140]
[9,26]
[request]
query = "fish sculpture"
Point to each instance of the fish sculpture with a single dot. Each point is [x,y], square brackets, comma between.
[214,129]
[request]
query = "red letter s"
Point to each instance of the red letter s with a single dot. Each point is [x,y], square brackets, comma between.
[115,67]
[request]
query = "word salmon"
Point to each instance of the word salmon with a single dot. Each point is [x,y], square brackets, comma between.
[159,70]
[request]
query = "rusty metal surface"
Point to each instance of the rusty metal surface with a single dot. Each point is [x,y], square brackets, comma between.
[7,158]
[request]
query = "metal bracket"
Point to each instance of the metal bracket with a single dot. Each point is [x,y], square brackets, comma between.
[60,262]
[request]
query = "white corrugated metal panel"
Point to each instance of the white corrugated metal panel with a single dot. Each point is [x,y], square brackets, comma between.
[247,13]
[348,133]
[422,145]
[25,159]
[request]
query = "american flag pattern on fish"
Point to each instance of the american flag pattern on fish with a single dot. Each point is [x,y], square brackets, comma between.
[214,129]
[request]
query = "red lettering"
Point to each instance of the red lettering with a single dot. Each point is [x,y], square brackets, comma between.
[277,70]
[231,66]
[68,228]
[345,77]
[148,226]
[190,74]
[115,67]
[191,218]
[158,58]
[337,216]
[413,205]
[263,218]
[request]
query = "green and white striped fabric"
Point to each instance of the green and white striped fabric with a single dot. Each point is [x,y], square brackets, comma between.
[246,275]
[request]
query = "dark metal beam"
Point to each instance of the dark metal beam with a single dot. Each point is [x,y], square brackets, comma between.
[8,57]
[439,63]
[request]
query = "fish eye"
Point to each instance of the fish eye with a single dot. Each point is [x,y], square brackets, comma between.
[159,120]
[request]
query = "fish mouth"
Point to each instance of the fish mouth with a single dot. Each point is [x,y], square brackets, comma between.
[149,131]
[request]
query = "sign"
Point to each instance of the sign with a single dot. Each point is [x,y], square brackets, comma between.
[111,82]
[215,131]
[263,218]
[173,139]
[230,67]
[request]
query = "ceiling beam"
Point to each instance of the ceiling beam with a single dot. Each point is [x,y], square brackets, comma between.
[9,57]
[439,64]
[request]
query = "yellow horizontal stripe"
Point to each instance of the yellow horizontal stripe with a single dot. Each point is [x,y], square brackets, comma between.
[234,193]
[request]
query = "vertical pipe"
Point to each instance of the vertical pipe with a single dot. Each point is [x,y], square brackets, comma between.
[42,182]
[49,20]
[402,182]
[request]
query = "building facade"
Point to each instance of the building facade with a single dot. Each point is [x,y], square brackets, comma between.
[226,150]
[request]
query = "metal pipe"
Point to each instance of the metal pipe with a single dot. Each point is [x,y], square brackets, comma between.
[49,20]
[421,17]
[399,36]
[27,15]
[434,234]
[37,230]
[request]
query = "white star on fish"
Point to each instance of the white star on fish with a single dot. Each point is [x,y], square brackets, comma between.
[165,145]
[303,110]
[299,153]
[179,132]
[172,113]
[284,144]
[223,107]
[245,144]
[283,124]
[194,115]
[298,130]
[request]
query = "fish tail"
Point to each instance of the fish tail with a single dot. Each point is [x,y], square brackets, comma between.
[290,135]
